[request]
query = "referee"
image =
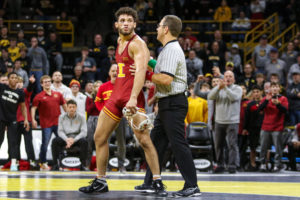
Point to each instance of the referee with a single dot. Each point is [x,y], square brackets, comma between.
[170,78]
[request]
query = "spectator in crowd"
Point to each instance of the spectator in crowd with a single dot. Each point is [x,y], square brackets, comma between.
[78,75]
[188,34]
[235,57]
[151,98]
[201,53]
[294,148]
[93,114]
[25,60]
[4,42]
[276,66]
[229,66]
[242,137]
[10,98]
[194,66]
[21,72]
[21,41]
[252,126]
[203,94]
[216,72]
[21,130]
[214,58]
[257,10]
[13,50]
[10,68]
[275,107]
[293,95]
[87,63]
[151,12]
[296,42]
[148,95]
[77,96]
[260,80]
[267,88]
[53,48]
[98,51]
[48,117]
[5,60]
[41,38]
[111,51]
[261,54]
[223,13]
[227,97]
[242,23]
[72,131]
[58,86]
[39,64]
[61,26]
[289,56]
[218,38]
[88,89]
[140,6]
[197,109]
[294,68]
[248,78]
[4,79]
[275,79]
[44,9]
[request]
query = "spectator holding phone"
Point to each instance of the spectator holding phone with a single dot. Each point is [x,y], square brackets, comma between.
[275,107]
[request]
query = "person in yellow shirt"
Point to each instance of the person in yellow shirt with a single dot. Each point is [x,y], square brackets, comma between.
[223,12]
[13,50]
[198,109]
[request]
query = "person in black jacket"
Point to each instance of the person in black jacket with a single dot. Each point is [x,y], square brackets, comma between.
[293,95]
[252,124]
[98,51]
[53,48]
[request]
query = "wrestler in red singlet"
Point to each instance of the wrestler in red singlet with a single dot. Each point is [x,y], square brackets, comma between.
[123,86]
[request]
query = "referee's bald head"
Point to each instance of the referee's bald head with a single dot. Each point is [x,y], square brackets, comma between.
[174,24]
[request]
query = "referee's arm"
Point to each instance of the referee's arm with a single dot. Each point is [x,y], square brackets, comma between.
[163,78]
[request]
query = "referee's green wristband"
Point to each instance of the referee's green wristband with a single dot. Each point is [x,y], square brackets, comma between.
[152,63]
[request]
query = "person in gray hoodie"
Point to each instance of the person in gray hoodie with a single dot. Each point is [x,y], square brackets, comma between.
[39,62]
[72,131]
[227,96]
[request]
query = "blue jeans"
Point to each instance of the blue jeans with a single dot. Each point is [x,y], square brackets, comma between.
[37,76]
[46,136]
[294,117]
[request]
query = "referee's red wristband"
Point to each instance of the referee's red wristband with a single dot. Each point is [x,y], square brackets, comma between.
[149,75]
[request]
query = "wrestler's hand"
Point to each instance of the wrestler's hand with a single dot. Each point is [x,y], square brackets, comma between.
[131,105]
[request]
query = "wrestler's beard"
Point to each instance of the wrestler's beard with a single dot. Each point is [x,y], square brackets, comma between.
[126,33]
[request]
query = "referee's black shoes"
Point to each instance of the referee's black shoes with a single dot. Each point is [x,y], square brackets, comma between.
[97,185]
[187,192]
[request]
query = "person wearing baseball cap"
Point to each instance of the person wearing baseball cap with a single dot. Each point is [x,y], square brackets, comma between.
[294,67]
[276,66]
[40,31]
[77,96]
[261,54]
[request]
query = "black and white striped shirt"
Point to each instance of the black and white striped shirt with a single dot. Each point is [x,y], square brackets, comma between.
[171,61]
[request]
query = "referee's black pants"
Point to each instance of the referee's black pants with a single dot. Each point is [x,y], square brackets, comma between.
[169,127]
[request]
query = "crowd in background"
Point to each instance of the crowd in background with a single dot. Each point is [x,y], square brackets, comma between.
[270,83]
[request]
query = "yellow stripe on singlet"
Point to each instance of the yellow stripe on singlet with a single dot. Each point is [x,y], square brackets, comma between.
[111,115]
